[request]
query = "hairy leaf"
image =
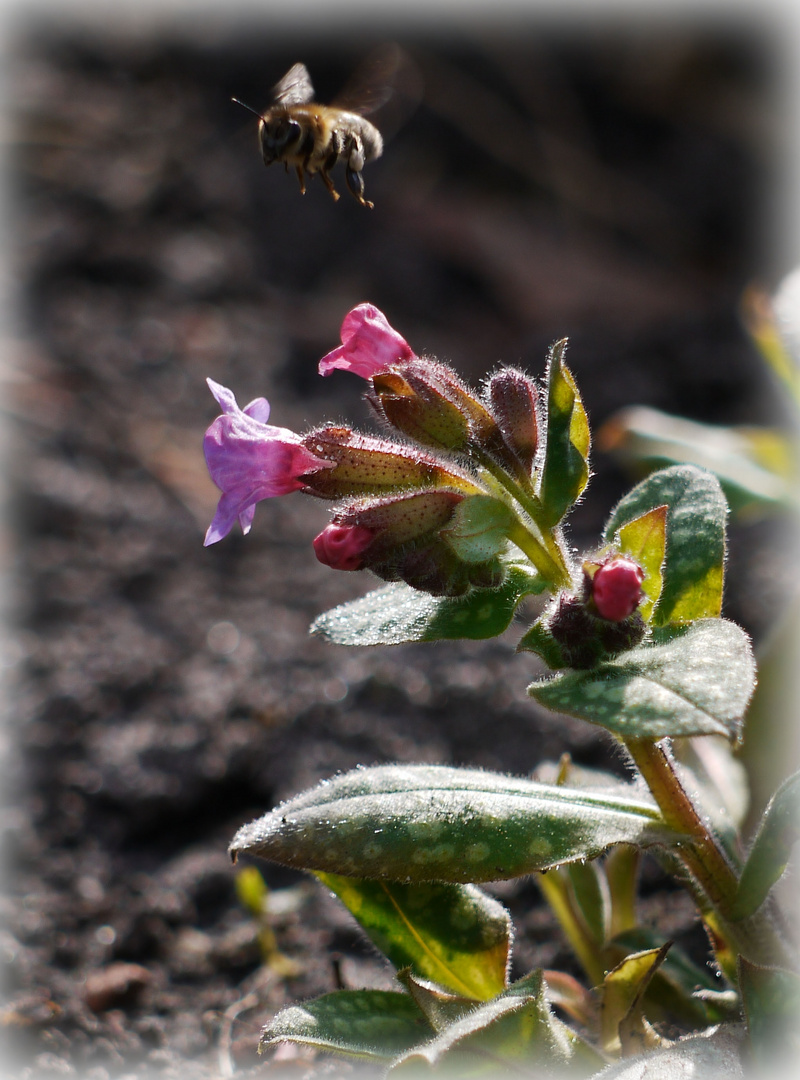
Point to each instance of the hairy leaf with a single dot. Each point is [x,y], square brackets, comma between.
[622,1019]
[675,983]
[435,823]
[695,548]
[396,614]
[645,539]
[454,935]
[778,832]
[716,1054]
[565,469]
[697,683]
[478,529]
[772,1005]
[374,1024]
[514,1032]
[440,1007]
[717,780]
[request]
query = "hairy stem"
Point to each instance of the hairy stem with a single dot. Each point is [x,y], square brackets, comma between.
[705,859]
[544,547]
[541,558]
[702,854]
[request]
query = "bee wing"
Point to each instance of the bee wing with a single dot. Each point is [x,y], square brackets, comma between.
[294,88]
[386,72]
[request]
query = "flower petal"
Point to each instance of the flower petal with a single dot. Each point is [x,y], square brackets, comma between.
[369,344]
[250,460]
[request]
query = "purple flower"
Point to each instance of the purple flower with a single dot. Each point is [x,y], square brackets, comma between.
[369,344]
[250,460]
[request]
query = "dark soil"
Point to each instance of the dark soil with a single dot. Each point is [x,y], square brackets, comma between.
[610,188]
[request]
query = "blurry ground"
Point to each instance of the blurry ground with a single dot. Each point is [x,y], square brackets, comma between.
[610,188]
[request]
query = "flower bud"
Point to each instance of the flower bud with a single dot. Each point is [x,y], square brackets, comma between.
[363,465]
[369,343]
[512,396]
[398,520]
[407,543]
[427,401]
[584,639]
[341,546]
[616,587]
[431,566]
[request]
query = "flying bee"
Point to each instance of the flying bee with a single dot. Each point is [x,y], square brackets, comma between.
[312,138]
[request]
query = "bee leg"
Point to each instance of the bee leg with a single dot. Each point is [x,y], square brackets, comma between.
[301,178]
[355,163]
[355,181]
[330,161]
[329,184]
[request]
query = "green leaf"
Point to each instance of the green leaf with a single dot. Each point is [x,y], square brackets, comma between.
[375,1024]
[454,935]
[565,470]
[440,1008]
[676,982]
[513,1033]
[772,1005]
[478,529]
[622,1020]
[778,833]
[539,639]
[715,1054]
[645,539]
[621,867]
[756,467]
[435,823]
[590,891]
[718,782]
[697,683]
[695,549]
[397,614]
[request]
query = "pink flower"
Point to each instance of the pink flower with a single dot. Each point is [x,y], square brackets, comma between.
[250,460]
[369,344]
[617,588]
[341,546]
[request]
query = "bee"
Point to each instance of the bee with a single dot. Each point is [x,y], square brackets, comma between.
[312,138]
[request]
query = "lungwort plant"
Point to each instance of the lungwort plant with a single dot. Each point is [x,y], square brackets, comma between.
[461,513]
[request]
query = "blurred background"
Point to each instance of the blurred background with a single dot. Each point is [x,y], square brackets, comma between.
[610,182]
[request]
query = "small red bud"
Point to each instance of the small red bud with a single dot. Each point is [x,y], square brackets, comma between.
[617,588]
[341,546]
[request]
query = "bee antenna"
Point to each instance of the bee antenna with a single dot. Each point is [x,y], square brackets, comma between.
[249,108]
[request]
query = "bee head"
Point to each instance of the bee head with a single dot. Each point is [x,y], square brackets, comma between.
[279,136]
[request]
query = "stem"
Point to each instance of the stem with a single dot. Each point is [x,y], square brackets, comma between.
[543,550]
[536,552]
[622,873]
[705,859]
[555,888]
[702,854]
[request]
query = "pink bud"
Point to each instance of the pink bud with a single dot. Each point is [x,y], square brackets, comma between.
[341,546]
[369,344]
[617,588]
